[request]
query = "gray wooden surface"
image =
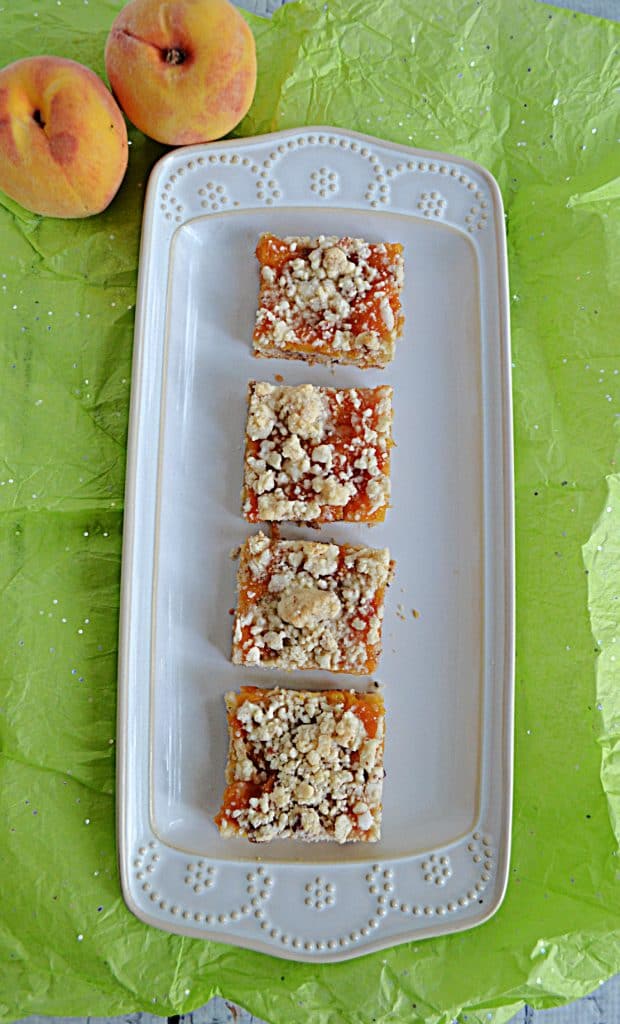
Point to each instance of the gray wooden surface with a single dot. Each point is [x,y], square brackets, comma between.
[602,1006]
[599,8]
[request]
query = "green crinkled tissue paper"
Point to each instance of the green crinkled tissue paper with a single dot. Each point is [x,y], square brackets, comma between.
[528,91]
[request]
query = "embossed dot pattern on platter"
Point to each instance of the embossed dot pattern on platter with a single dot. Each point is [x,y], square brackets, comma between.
[324,181]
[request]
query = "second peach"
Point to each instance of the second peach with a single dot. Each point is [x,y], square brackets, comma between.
[183,71]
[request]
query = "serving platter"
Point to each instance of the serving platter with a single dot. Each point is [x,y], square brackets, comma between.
[447,666]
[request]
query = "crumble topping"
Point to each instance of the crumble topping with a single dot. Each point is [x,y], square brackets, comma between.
[303,764]
[304,604]
[329,298]
[316,453]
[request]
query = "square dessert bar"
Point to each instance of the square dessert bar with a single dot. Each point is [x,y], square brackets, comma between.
[317,454]
[303,765]
[307,605]
[329,299]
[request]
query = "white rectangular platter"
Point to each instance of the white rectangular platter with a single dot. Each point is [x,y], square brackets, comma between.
[447,669]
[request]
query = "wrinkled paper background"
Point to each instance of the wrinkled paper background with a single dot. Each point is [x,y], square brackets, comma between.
[528,91]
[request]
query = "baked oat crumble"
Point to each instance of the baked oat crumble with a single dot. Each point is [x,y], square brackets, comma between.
[303,764]
[317,454]
[329,299]
[309,605]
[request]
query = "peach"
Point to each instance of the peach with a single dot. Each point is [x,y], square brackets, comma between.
[63,140]
[183,71]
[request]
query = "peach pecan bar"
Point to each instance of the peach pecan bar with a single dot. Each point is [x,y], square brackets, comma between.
[329,299]
[308,605]
[317,454]
[304,765]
